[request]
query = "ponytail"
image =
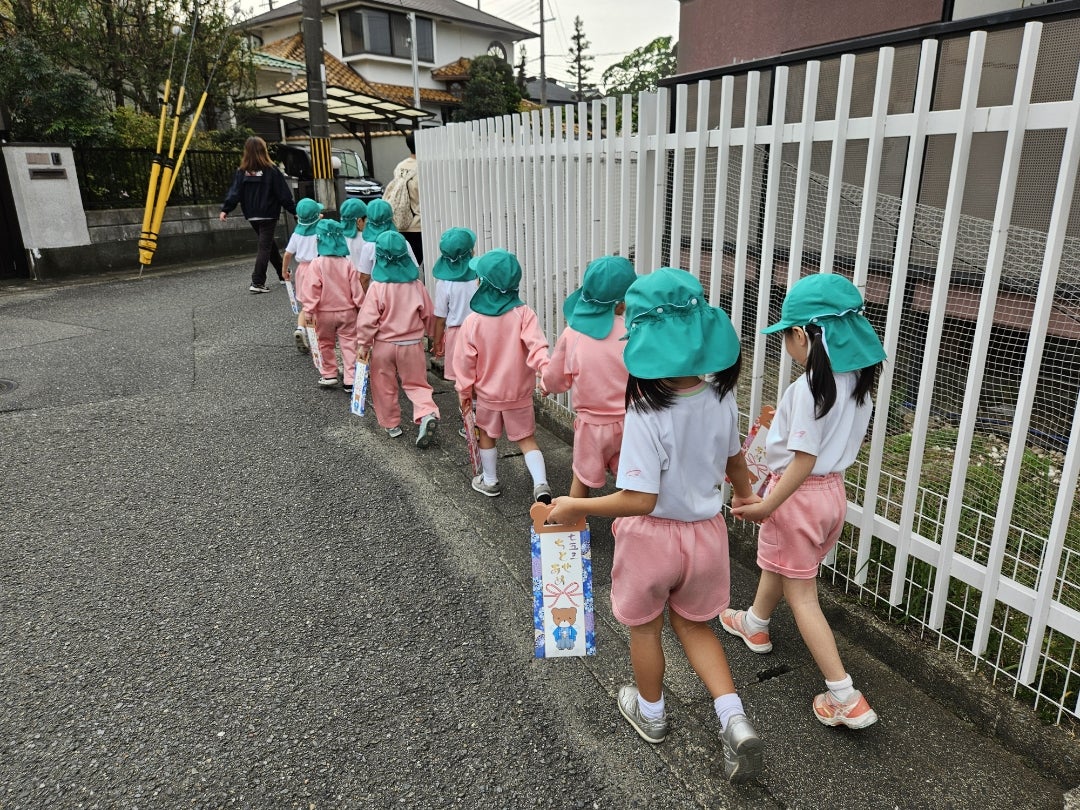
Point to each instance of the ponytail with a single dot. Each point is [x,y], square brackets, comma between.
[819,374]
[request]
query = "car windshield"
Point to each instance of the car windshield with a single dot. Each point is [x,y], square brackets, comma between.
[351,164]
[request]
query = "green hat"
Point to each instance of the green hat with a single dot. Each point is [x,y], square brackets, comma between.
[833,303]
[330,239]
[590,309]
[456,247]
[380,219]
[393,264]
[351,210]
[307,216]
[500,274]
[672,330]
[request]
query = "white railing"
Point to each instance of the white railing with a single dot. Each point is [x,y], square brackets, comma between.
[962,514]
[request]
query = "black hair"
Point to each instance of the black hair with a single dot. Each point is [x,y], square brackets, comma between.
[410,142]
[657,395]
[819,373]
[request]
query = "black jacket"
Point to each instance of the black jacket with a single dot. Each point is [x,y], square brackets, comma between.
[261,195]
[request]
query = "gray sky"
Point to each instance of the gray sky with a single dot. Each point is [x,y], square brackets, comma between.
[613,28]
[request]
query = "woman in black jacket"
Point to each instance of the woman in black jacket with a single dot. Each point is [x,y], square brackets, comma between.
[262,192]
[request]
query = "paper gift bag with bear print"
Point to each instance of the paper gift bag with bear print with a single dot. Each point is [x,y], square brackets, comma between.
[562,588]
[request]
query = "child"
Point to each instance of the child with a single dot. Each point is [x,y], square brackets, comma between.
[671,549]
[353,219]
[587,361]
[303,247]
[380,219]
[498,355]
[389,329]
[331,296]
[815,435]
[454,287]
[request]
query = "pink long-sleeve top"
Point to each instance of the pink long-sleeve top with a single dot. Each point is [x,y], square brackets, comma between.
[394,312]
[329,284]
[594,370]
[497,358]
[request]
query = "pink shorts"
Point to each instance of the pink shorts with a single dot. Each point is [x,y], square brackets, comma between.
[519,423]
[596,450]
[804,528]
[662,562]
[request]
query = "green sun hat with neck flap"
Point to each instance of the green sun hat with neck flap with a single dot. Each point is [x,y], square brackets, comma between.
[329,238]
[393,264]
[590,309]
[672,331]
[455,250]
[500,274]
[834,304]
[307,216]
[380,219]
[351,210]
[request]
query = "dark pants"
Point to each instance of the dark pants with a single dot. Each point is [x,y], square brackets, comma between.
[267,252]
[416,242]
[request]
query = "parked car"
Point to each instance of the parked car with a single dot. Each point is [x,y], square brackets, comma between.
[350,171]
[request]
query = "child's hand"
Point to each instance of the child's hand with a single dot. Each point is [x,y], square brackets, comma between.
[566,511]
[756,512]
[439,348]
[363,354]
[466,404]
[737,501]
[285,274]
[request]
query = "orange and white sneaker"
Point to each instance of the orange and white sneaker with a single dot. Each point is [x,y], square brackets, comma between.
[733,622]
[855,713]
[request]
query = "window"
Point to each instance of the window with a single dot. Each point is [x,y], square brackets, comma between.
[365,30]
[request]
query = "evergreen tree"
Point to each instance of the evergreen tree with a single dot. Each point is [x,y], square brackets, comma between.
[580,61]
[490,90]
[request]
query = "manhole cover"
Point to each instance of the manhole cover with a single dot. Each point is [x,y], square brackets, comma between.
[7,385]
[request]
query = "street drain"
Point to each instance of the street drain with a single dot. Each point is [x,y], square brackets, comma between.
[7,386]
[775,672]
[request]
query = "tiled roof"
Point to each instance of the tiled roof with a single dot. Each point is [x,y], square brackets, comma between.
[454,72]
[404,94]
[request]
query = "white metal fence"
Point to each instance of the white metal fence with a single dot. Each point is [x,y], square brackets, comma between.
[941,178]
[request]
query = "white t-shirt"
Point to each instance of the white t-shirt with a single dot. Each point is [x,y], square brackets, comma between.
[452,299]
[366,260]
[835,438]
[356,246]
[680,454]
[303,248]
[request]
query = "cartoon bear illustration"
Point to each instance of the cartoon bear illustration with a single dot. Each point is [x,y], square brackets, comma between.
[565,633]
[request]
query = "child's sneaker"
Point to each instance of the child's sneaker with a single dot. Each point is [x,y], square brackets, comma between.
[491,490]
[301,341]
[542,493]
[855,713]
[427,429]
[733,622]
[394,432]
[742,750]
[327,382]
[653,731]
[461,433]
[347,386]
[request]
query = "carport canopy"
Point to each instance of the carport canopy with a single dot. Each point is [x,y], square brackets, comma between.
[343,106]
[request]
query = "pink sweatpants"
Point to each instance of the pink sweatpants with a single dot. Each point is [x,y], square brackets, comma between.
[389,362]
[337,325]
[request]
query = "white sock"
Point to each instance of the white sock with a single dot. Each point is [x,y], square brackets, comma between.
[651,711]
[753,624]
[534,460]
[488,460]
[842,690]
[727,706]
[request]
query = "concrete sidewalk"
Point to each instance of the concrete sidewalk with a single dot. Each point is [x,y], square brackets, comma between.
[186,624]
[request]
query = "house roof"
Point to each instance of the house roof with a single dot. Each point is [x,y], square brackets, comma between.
[456,71]
[265,60]
[446,9]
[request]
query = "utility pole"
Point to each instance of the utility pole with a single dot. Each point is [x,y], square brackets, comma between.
[318,117]
[415,60]
[543,73]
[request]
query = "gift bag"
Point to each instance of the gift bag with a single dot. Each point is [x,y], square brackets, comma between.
[562,588]
[358,401]
[754,450]
[471,440]
[313,341]
[295,304]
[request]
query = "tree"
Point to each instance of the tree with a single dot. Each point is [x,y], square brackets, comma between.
[580,62]
[521,80]
[642,69]
[490,90]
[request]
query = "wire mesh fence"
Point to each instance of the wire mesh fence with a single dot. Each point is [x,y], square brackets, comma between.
[940,178]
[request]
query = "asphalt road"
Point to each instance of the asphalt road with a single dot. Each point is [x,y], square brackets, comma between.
[220,589]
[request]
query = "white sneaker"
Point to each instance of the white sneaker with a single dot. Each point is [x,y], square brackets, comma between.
[328,382]
[427,429]
[491,490]
[394,432]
